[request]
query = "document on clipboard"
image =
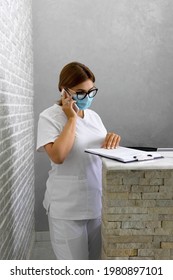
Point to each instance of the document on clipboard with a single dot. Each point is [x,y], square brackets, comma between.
[124,155]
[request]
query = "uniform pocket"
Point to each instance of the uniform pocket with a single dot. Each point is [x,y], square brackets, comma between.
[69,195]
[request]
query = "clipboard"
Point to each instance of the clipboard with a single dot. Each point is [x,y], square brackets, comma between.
[124,155]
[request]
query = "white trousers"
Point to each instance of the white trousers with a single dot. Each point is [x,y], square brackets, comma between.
[75,240]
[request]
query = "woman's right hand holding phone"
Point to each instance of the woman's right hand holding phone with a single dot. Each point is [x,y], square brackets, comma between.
[68,105]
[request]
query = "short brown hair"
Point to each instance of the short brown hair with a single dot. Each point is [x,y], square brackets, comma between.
[73,74]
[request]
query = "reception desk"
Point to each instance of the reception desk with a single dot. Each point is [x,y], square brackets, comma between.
[137,211]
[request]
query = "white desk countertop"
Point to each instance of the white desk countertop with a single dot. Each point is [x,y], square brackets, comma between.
[163,163]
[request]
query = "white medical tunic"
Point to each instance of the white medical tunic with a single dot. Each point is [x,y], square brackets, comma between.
[73,189]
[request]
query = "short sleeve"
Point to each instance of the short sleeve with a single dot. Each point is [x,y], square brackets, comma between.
[48,131]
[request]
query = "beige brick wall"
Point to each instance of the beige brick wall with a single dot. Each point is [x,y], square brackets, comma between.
[137,215]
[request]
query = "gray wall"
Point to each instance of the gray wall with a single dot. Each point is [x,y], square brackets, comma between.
[128,45]
[16,130]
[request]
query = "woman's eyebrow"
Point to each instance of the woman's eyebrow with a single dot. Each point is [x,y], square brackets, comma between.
[80,89]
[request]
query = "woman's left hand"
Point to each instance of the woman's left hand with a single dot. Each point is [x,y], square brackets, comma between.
[111,141]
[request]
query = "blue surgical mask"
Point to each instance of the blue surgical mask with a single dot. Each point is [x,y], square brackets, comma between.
[84,103]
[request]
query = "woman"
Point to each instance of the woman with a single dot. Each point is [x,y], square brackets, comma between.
[73,195]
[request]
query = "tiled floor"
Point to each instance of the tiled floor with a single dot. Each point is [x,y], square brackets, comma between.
[42,249]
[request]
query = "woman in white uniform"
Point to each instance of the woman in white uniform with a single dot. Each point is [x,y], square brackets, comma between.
[73,190]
